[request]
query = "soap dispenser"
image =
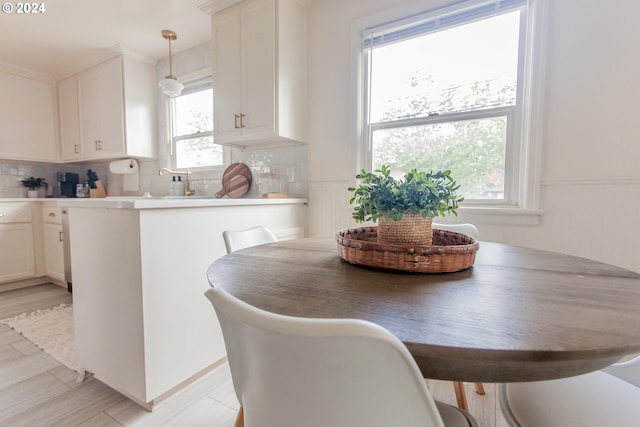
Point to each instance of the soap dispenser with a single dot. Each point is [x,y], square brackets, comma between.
[180,187]
[173,187]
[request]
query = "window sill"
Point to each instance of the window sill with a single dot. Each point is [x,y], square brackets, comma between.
[496,215]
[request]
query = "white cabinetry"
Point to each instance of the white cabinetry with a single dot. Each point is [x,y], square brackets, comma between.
[53,242]
[17,256]
[259,72]
[68,112]
[27,118]
[108,110]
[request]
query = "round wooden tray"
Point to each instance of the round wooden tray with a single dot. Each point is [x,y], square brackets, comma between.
[450,251]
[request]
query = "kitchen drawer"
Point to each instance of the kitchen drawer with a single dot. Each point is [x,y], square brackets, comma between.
[15,212]
[52,214]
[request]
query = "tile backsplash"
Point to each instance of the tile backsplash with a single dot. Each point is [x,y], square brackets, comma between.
[274,170]
[12,172]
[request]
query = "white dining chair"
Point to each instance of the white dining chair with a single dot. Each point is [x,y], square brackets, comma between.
[471,231]
[234,240]
[468,229]
[291,371]
[608,397]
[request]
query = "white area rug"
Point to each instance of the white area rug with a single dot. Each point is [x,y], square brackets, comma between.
[52,331]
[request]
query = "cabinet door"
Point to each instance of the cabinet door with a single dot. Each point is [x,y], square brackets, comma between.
[101,110]
[69,126]
[54,251]
[27,119]
[258,68]
[227,81]
[17,258]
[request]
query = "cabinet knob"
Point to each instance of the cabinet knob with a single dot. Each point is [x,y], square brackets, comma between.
[51,214]
[76,148]
[98,145]
[235,121]
[242,120]
[60,236]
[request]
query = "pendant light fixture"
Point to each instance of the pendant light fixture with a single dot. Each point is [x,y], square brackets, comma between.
[170,85]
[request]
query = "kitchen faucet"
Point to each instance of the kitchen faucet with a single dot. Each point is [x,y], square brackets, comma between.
[188,191]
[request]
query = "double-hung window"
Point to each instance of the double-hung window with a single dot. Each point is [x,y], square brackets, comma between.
[192,128]
[444,89]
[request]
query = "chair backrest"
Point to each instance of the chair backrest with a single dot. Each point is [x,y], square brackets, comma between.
[234,240]
[468,229]
[290,371]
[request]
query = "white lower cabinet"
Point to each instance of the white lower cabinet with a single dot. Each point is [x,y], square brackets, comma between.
[17,255]
[53,242]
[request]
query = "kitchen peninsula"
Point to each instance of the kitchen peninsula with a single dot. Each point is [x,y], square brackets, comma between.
[142,323]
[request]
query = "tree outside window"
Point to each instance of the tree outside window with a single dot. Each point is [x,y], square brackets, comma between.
[447,99]
[192,114]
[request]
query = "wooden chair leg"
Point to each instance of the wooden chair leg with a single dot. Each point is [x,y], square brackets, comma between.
[461,396]
[479,388]
[239,418]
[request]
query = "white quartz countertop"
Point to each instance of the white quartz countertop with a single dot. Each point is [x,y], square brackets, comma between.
[170,202]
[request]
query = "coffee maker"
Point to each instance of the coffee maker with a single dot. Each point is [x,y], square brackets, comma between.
[67,182]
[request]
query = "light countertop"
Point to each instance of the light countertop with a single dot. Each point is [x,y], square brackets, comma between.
[170,202]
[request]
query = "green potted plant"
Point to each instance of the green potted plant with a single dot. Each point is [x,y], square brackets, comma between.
[33,184]
[404,208]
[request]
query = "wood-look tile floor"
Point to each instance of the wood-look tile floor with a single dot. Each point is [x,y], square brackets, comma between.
[36,390]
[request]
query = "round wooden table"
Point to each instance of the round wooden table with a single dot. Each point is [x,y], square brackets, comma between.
[518,314]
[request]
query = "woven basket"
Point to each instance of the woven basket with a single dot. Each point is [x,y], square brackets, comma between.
[412,229]
[450,251]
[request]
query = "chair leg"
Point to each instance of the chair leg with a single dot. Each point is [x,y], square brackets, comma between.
[461,395]
[239,418]
[479,388]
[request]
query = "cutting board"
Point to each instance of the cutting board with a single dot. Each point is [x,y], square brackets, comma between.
[236,181]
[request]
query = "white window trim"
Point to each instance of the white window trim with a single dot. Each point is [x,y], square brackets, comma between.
[171,161]
[528,209]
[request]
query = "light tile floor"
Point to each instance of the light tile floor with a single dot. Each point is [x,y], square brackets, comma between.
[36,390]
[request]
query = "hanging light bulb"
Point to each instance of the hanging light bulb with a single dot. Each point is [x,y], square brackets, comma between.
[170,85]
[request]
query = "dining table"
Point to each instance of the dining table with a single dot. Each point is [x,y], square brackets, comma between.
[517,314]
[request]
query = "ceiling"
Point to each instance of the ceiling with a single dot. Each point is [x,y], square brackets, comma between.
[71,32]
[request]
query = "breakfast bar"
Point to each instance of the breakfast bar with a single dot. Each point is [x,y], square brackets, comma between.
[142,323]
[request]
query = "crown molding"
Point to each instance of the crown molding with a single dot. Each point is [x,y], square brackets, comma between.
[16,70]
[102,56]
[212,7]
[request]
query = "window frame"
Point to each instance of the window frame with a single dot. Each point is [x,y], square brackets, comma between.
[191,79]
[522,198]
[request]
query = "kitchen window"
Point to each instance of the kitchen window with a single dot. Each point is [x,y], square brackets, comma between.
[192,128]
[450,89]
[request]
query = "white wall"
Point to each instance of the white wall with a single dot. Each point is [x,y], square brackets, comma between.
[590,188]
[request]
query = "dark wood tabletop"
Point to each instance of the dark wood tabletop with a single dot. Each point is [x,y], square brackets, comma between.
[518,314]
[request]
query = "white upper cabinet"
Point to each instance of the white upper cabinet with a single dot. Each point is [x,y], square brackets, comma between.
[259,73]
[108,111]
[27,117]
[68,112]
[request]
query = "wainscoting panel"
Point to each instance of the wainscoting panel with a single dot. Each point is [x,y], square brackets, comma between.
[329,208]
[597,219]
